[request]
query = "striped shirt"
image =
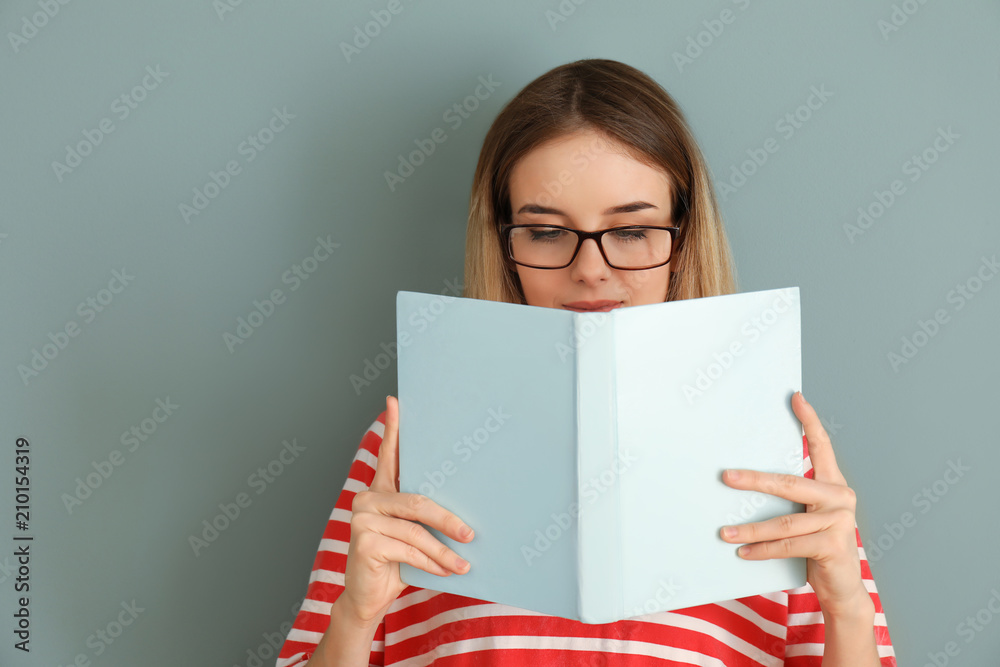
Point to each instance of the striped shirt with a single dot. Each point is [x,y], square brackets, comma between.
[425,627]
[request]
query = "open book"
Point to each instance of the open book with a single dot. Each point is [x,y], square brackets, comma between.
[586,449]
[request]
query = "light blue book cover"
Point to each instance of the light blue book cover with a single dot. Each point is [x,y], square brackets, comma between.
[586,449]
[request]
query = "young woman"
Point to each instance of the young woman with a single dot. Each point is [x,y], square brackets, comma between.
[590,146]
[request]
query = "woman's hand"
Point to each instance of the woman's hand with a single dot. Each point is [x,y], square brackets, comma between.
[384,533]
[825,533]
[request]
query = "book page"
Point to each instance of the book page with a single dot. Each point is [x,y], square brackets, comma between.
[704,385]
[487,430]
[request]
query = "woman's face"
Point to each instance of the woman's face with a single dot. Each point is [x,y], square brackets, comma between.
[576,181]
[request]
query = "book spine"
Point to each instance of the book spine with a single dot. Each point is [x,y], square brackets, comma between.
[598,541]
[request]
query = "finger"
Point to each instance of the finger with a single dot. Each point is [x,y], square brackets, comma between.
[414,535]
[388,551]
[791,487]
[413,507]
[825,468]
[780,527]
[387,469]
[802,546]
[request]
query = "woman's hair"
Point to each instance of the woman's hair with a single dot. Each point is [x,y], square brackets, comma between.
[628,107]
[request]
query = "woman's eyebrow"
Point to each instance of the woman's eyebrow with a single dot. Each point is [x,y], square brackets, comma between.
[621,208]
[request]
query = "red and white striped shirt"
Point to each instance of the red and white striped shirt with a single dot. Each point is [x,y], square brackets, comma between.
[424,627]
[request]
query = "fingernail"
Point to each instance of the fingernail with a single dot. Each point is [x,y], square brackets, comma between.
[461,563]
[464,532]
[743,551]
[729,531]
[733,475]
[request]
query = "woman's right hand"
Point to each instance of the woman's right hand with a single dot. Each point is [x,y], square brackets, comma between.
[385,533]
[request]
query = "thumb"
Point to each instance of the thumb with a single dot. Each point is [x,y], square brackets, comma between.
[387,470]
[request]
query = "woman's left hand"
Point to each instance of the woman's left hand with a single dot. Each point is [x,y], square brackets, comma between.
[824,533]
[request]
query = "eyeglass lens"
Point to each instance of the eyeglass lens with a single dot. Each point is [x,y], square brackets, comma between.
[628,248]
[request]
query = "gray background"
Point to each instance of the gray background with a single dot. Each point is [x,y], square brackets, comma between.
[895,429]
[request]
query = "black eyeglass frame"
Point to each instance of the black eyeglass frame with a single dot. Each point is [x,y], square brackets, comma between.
[505,231]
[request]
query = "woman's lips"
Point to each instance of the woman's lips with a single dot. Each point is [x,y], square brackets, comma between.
[593,306]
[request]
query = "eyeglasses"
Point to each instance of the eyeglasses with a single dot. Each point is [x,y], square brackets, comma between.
[631,248]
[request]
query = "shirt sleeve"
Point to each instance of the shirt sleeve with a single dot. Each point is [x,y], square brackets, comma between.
[805,636]
[326,582]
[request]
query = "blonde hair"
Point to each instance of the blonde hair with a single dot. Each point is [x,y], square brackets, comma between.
[630,108]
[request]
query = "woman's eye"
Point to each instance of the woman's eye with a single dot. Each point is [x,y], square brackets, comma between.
[631,235]
[546,234]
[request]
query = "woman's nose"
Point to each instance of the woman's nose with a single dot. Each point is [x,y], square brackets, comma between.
[589,261]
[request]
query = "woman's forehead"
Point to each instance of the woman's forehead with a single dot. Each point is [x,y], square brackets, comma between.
[607,180]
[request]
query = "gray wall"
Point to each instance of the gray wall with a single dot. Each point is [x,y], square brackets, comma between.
[162,335]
